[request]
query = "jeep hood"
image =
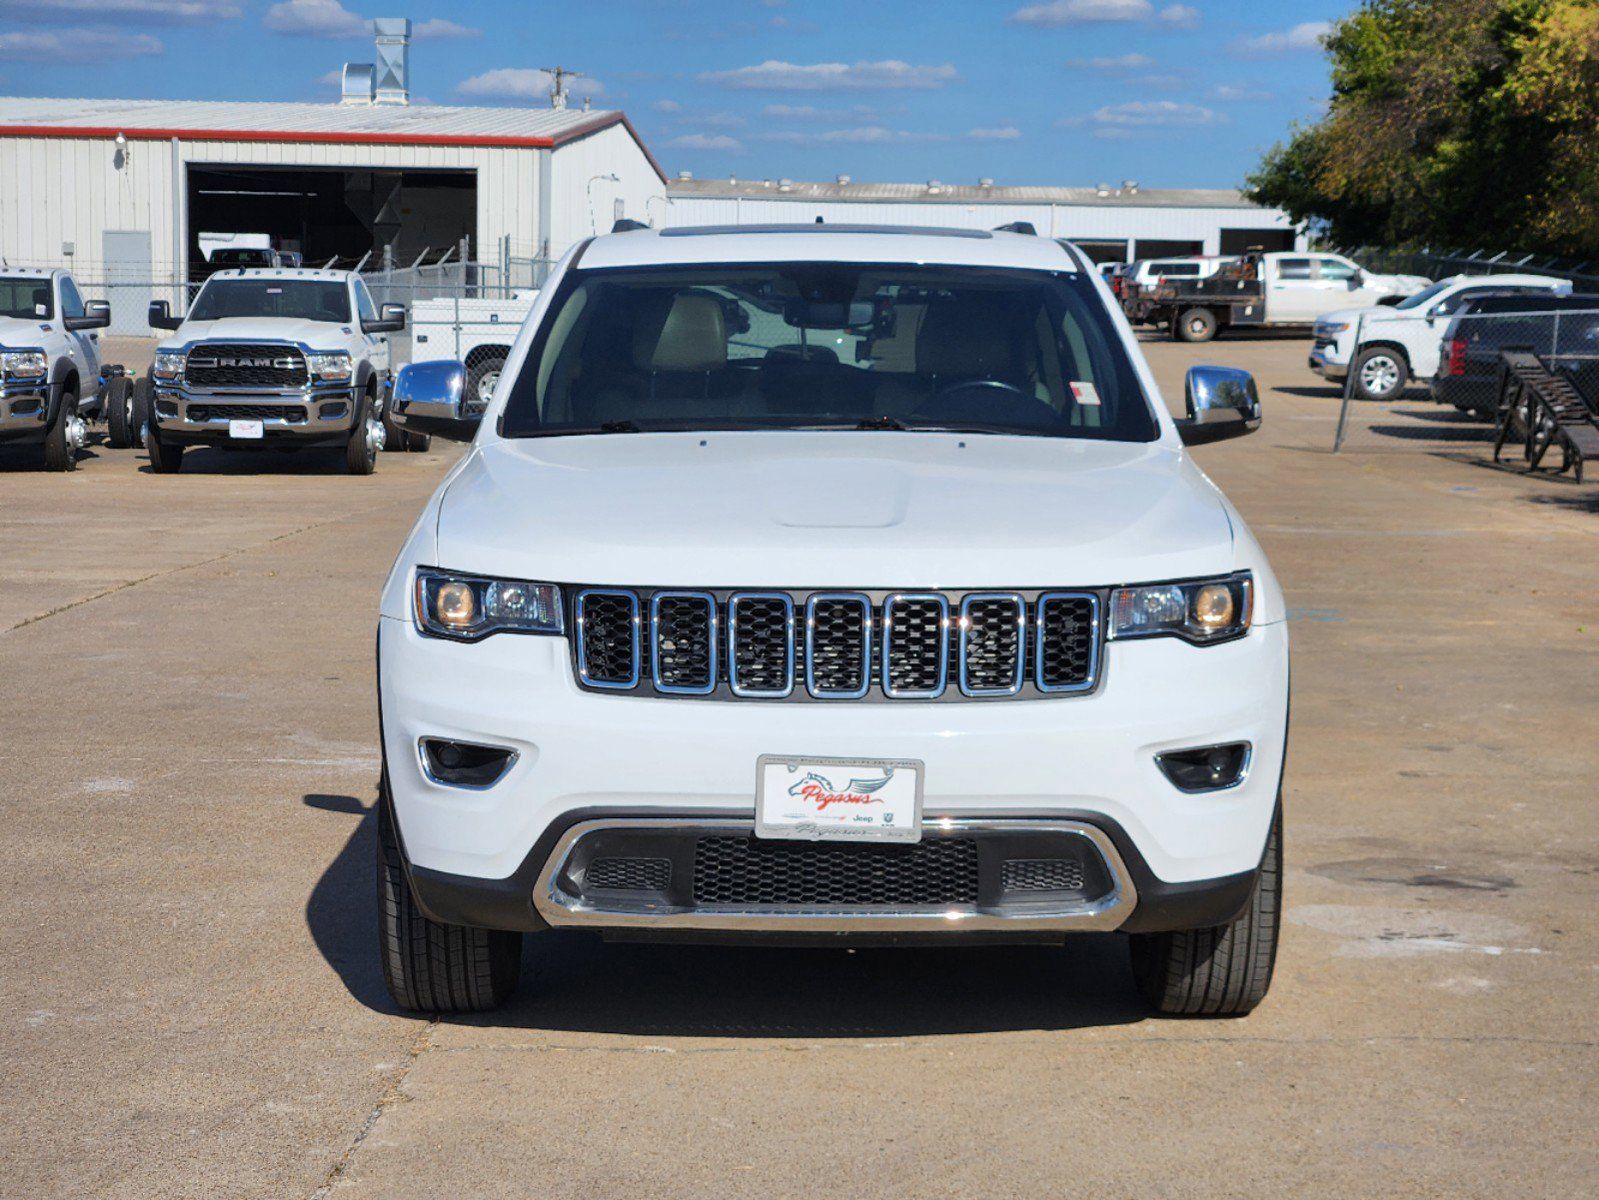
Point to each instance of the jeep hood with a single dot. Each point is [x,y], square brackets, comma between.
[319,335]
[831,510]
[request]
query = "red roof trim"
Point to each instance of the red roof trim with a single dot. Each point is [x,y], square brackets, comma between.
[324,137]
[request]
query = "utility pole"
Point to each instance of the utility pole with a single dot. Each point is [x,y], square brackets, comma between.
[558,77]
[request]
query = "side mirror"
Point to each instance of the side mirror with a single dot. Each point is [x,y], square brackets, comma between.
[160,316]
[1222,403]
[96,315]
[430,397]
[391,319]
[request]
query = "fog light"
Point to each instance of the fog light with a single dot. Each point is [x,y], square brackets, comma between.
[462,764]
[1205,768]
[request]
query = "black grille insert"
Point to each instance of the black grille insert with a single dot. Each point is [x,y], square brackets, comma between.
[761,644]
[607,638]
[292,413]
[1042,875]
[242,365]
[742,871]
[991,644]
[683,642]
[838,645]
[1067,641]
[628,874]
[915,645]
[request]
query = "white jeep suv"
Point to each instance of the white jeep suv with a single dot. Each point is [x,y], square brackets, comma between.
[821,583]
[290,358]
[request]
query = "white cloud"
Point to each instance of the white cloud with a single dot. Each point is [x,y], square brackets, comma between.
[707,141]
[1151,114]
[523,83]
[777,76]
[721,120]
[1119,62]
[334,78]
[1304,36]
[999,133]
[860,135]
[1167,82]
[78,45]
[1234,93]
[437,29]
[810,112]
[315,18]
[1083,12]
[667,106]
[147,10]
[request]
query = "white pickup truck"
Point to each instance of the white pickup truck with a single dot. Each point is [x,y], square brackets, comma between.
[1270,291]
[51,374]
[1390,345]
[287,358]
[477,332]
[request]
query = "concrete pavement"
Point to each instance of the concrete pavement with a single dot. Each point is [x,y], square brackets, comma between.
[187,767]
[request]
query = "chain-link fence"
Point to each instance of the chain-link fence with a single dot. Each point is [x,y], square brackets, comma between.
[1432,384]
[1434,263]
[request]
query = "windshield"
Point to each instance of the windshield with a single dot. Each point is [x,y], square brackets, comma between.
[26,297]
[1425,295]
[809,345]
[242,258]
[300,299]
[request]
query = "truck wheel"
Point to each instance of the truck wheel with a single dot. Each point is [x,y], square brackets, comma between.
[64,437]
[1221,972]
[361,450]
[481,380]
[1195,325]
[121,432]
[1381,373]
[418,443]
[143,407]
[165,458]
[429,967]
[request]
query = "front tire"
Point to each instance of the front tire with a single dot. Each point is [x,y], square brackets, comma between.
[361,451]
[1221,972]
[429,967]
[165,458]
[121,431]
[65,433]
[1380,373]
[1196,325]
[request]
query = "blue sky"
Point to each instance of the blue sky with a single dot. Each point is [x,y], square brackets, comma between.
[1026,91]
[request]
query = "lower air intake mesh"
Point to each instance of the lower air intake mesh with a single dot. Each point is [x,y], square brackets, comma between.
[745,872]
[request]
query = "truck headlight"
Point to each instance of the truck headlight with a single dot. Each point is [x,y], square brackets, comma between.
[469,607]
[331,368]
[168,365]
[24,364]
[1331,330]
[1201,611]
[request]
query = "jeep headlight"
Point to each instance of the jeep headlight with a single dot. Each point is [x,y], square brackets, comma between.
[331,368]
[469,607]
[168,364]
[24,364]
[1201,611]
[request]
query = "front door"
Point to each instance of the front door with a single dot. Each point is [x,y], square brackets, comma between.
[128,278]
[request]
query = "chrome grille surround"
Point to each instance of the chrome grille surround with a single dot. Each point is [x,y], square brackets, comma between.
[799,646]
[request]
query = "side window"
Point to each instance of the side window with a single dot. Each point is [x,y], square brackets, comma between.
[1290,269]
[363,303]
[1335,268]
[71,301]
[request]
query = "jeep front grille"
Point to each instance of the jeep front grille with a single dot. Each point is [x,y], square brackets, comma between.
[746,872]
[828,646]
[245,365]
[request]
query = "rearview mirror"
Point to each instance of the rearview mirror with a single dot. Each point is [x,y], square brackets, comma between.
[1222,402]
[160,316]
[96,315]
[391,319]
[430,397]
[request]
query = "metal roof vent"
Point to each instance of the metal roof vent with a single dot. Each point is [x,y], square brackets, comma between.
[1130,186]
[843,181]
[785,185]
[355,85]
[685,176]
[1102,189]
[934,187]
[985,182]
[393,85]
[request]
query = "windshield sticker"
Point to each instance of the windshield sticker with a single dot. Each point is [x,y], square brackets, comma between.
[1085,393]
[274,291]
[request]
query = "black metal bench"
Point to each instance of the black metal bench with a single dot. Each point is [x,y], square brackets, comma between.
[1542,408]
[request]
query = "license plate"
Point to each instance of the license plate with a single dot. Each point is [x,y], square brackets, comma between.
[838,799]
[246,429]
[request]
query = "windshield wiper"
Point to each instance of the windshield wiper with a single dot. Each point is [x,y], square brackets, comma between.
[884,422]
[619,427]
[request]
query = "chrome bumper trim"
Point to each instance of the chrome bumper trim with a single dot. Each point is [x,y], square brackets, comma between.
[558,908]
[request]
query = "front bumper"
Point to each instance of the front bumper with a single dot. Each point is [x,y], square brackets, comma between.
[303,415]
[1090,760]
[25,409]
[1326,361]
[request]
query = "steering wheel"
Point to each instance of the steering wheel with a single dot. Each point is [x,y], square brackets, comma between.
[1010,406]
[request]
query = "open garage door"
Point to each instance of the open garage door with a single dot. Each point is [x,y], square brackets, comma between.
[1242,241]
[331,213]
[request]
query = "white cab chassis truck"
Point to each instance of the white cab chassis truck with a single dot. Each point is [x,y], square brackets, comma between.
[52,378]
[477,332]
[829,583]
[287,358]
[1280,290]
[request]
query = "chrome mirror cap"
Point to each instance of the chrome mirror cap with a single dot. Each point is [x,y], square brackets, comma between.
[430,397]
[1222,402]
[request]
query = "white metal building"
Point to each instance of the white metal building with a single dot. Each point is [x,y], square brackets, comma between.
[123,188]
[1111,224]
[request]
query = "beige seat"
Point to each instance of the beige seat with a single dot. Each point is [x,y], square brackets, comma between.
[679,366]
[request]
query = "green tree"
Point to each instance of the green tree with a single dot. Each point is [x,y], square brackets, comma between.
[1453,122]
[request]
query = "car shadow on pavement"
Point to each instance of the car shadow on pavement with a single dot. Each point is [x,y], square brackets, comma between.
[574,982]
[206,460]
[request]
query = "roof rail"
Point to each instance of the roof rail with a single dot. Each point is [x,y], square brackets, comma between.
[626,225]
[1026,227]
